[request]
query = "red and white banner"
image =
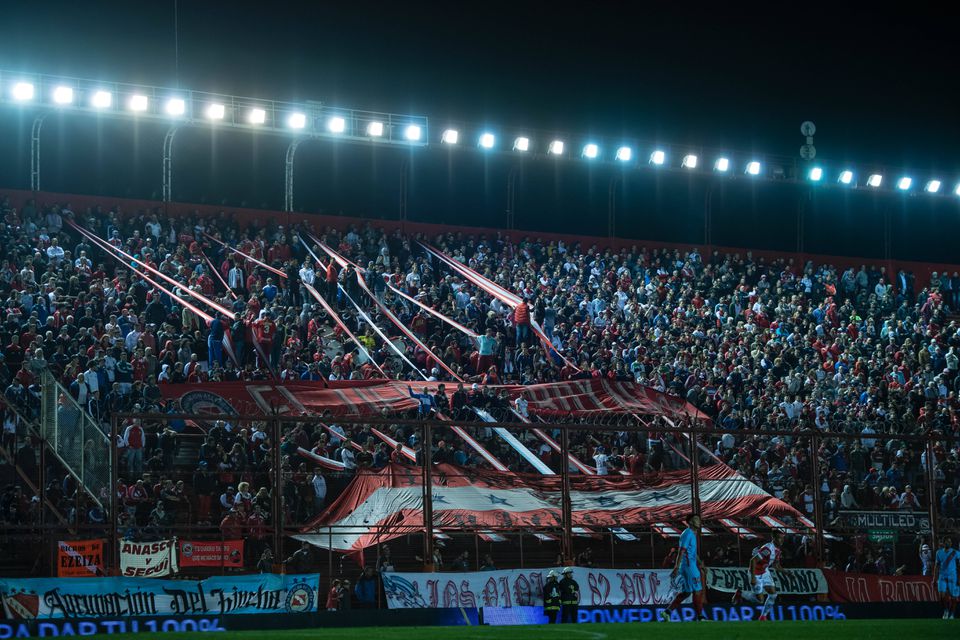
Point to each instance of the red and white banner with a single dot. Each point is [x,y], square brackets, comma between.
[378,506]
[787,581]
[524,587]
[211,553]
[79,558]
[864,587]
[574,398]
[148,559]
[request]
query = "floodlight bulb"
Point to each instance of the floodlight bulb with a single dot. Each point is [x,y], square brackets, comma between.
[722,164]
[816,174]
[658,157]
[753,168]
[176,107]
[412,132]
[487,140]
[336,124]
[556,147]
[22,91]
[521,144]
[102,99]
[933,186]
[297,121]
[591,151]
[216,111]
[450,136]
[846,177]
[63,95]
[375,129]
[904,183]
[690,161]
[875,180]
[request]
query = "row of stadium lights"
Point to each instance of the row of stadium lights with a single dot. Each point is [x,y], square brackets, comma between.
[177,107]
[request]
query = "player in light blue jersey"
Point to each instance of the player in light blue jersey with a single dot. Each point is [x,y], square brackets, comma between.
[945,574]
[688,572]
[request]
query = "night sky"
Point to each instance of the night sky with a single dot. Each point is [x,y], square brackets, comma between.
[877,85]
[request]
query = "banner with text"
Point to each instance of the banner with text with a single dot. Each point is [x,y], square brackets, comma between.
[148,559]
[126,597]
[80,558]
[898,520]
[211,553]
[524,587]
[788,581]
[864,587]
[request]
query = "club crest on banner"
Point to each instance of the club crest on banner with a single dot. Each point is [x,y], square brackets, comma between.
[205,402]
[299,598]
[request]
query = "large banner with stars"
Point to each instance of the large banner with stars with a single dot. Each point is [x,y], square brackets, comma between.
[388,503]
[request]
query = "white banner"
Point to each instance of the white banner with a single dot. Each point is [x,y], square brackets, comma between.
[788,581]
[524,587]
[148,559]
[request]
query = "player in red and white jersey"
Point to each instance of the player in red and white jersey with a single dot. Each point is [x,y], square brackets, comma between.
[763,589]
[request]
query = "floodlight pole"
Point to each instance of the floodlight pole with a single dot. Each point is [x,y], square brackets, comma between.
[566,515]
[288,175]
[427,510]
[511,199]
[35,152]
[612,206]
[404,187]
[168,163]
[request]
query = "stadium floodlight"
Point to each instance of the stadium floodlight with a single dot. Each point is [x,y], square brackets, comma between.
[412,132]
[176,107]
[487,140]
[521,144]
[624,154]
[22,91]
[216,111]
[753,168]
[721,165]
[932,187]
[957,190]
[297,121]
[904,183]
[556,147]
[690,161]
[102,99]
[875,180]
[591,150]
[257,116]
[846,177]
[375,129]
[138,103]
[816,174]
[336,124]
[658,157]
[450,136]
[63,95]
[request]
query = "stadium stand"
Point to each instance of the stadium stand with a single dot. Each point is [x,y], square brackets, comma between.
[865,358]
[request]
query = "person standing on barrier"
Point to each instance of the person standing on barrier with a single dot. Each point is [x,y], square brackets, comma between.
[551,597]
[569,597]
[945,575]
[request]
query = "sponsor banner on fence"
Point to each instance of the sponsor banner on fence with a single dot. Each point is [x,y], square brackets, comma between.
[79,558]
[211,553]
[520,587]
[127,597]
[864,587]
[148,559]
[788,581]
[900,520]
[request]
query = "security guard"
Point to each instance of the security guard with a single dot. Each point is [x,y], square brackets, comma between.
[569,596]
[551,598]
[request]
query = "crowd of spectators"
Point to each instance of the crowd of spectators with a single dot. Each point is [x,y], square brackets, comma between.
[863,357]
